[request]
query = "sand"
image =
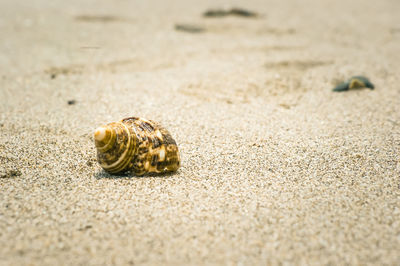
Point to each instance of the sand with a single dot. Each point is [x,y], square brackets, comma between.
[276,168]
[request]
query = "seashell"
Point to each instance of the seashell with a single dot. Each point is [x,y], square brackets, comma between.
[136,145]
[356,82]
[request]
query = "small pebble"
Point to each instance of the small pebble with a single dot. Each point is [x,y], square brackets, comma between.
[242,12]
[85,228]
[10,173]
[215,13]
[71,102]
[189,28]
[356,82]
[231,12]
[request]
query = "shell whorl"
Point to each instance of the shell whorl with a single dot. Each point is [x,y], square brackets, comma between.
[104,137]
[137,145]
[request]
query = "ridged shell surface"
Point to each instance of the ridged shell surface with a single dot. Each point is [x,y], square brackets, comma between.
[136,145]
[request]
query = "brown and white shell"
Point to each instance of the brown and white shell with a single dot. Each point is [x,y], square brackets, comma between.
[136,145]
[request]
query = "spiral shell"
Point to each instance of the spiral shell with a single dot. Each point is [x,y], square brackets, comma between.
[136,145]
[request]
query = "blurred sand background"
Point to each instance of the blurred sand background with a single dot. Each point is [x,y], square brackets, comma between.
[276,168]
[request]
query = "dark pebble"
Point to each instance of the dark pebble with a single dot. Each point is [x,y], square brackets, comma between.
[189,28]
[355,82]
[242,12]
[232,12]
[85,228]
[71,102]
[216,13]
[10,173]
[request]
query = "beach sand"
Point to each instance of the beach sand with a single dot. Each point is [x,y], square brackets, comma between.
[276,168]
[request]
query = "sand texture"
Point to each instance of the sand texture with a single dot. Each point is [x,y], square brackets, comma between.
[276,168]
